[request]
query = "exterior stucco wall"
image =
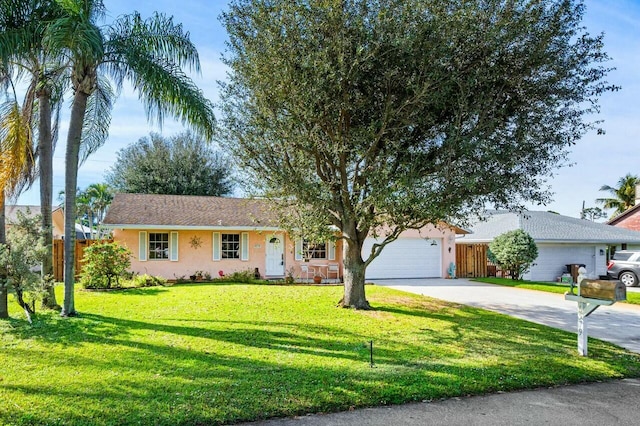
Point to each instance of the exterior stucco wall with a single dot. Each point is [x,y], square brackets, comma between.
[192,259]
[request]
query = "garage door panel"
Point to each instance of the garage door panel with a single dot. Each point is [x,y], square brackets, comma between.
[406,258]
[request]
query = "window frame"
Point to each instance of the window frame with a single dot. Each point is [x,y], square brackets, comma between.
[225,251]
[164,250]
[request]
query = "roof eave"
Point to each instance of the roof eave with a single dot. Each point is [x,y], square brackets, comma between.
[192,228]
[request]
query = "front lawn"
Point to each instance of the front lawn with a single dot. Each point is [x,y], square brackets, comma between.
[211,354]
[632,297]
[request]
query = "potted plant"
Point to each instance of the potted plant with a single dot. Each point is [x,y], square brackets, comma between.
[317,279]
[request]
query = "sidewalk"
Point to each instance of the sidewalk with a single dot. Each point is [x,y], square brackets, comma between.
[598,404]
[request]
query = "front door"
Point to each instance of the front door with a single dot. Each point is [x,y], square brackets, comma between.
[275,256]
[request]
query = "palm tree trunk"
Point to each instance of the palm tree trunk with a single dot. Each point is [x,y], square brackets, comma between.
[78,109]
[45,164]
[4,290]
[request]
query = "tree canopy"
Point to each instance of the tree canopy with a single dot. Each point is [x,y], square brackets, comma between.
[514,251]
[387,115]
[183,164]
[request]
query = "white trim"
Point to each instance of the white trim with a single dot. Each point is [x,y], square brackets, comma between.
[244,246]
[331,250]
[298,249]
[142,246]
[173,251]
[217,249]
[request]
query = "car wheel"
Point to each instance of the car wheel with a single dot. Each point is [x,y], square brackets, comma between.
[628,278]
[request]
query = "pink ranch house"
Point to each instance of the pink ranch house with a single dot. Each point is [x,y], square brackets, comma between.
[175,236]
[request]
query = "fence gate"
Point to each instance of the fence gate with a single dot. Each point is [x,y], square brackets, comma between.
[471,260]
[58,256]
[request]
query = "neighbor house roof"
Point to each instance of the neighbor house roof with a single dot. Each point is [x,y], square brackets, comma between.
[548,227]
[152,211]
[11,212]
[615,220]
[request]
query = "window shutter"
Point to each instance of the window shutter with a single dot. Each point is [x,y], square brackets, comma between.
[244,246]
[142,246]
[331,247]
[298,253]
[216,246]
[173,247]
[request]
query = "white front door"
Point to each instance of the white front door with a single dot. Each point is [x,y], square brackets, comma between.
[275,256]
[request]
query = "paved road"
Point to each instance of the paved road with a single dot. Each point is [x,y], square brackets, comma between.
[618,324]
[598,404]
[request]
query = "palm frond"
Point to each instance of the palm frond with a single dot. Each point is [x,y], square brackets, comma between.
[150,54]
[95,129]
[16,149]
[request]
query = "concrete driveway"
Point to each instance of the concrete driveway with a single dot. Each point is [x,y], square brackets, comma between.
[618,324]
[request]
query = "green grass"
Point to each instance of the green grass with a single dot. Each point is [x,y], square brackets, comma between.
[633,298]
[211,354]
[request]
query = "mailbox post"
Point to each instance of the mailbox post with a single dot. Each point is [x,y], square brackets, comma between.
[591,294]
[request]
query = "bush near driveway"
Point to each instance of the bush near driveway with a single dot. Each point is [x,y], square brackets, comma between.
[216,353]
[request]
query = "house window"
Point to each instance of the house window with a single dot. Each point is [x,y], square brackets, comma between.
[158,246]
[230,246]
[314,250]
[624,246]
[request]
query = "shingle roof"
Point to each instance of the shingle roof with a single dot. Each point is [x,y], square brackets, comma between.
[548,227]
[624,214]
[11,212]
[177,211]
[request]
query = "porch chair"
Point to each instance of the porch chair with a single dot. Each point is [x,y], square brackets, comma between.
[333,268]
[306,270]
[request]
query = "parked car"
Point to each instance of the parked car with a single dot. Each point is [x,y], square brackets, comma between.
[625,266]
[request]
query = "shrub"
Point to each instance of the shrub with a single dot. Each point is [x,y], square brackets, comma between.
[147,280]
[513,251]
[246,277]
[104,262]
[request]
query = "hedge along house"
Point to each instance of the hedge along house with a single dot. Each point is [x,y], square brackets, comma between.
[561,241]
[174,236]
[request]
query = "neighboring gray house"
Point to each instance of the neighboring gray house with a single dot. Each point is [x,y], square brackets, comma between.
[561,240]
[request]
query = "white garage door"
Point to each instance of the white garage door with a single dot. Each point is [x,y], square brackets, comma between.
[406,258]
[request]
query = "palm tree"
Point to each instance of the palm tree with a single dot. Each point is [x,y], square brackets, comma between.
[99,197]
[22,51]
[148,53]
[623,197]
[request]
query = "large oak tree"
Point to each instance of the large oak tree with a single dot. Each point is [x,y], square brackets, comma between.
[385,115]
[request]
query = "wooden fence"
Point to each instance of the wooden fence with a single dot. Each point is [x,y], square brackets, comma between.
[471,260]
[58,256]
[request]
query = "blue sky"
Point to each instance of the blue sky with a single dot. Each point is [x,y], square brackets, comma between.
[598,159]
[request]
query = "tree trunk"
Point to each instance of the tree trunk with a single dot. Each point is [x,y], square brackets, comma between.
[354,270]
[4,291]
[78,109]
[45,165]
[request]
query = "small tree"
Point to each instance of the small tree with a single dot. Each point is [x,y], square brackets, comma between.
[19,259]
[104,262]
[592,213]
[513,251]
